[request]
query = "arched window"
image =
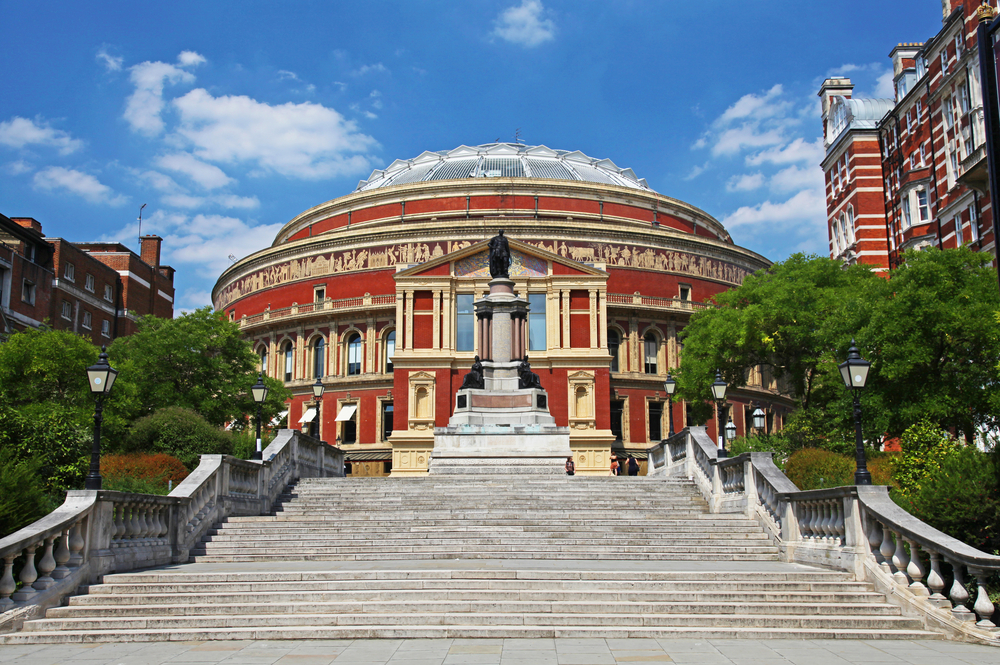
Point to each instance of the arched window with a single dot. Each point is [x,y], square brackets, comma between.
[289,360]
[354,354]
[836,237]
[614,342]
[319,357]
[390,350]
[263,360]
[651,347]
[850,223]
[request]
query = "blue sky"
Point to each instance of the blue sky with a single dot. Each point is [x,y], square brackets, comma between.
[229,118]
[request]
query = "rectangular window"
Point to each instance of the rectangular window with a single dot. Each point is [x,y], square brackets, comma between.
[913,159]
[466,325]
[922,208]
[973,225]
[536,322]
[685,292]
[87,319]
[923,153]
[906,213]
[69,272]
[958,230]
[67,310]
[964,97]
[617,408]
[655,418]
[954,162]
[909,121]
[386,420]
[109,293]
[920,108]
[651,347]
[319,295]
[944,61]
[88,282]
[28,292]
[946,107]
[289,361]
[106,328]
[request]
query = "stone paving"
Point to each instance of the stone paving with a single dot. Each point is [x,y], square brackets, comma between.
[510,652]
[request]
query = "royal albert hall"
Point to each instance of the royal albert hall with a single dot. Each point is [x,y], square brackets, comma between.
[372,293]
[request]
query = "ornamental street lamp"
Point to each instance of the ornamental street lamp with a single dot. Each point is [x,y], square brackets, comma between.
[100,377]
[730,428]
[759,418]
[259,392]
[669,386]
[719,393]
[854,371]
[318,389]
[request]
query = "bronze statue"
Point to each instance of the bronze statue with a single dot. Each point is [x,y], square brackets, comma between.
[474,379]
[525,377]
[499,256]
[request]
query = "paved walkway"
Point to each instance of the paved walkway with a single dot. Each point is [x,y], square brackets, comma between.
[511,652]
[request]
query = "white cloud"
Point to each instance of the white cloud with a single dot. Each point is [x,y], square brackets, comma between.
[377,68]
[19,132]
[190,59]
[695,171]
[144,106]
[885,88]
[285,75]
[807,207]
[795,178]
[524,24]
[299,140]
[111,63]
[746,182]
[190,300]
[77,182]
[735,139]
[370,115]
[756,107]
[799,150]
[19,167]
[175,196]
[206,175]
[376,98]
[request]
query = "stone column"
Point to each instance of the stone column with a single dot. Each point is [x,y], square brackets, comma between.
[593,318]
[409,319]
[436,328]
[602,323]
[446,301]
[564,313]
[400,328]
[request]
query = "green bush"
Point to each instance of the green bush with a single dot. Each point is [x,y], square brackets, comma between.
[22,497]
[961,498]
[776,443]
[882,467]
[58,436]
[924,449]
[812,468]
[245,442]
[136,485]
[179,432]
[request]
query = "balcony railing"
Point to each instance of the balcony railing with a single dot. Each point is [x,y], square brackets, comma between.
[639,300]
[364,302]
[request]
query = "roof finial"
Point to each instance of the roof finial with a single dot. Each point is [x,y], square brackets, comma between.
[985,12]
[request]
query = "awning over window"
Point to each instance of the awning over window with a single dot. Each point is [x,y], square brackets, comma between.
[277,418]
[308,416]
[346,412]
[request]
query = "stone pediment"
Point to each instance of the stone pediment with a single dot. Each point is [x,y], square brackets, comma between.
[526,261]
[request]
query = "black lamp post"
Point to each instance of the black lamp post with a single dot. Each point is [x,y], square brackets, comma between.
[259,392]
[854,371]
[318,389]
[100,377]
[669,386]
[719,393]
[759,418]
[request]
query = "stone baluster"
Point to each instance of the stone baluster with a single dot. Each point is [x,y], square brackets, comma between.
[839,527]
[875,539]
[28,575]
[118,510]
[915,569]
[76,544]
[142,511]
[61,555]
[899,561]
[815,519]
[886,550]
[133,523]
[935,581]
[7,583]
[983,607]
[958,594]
[161,522]
[45,566]
[828,518]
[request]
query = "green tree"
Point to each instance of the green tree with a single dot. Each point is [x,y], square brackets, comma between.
[198,361]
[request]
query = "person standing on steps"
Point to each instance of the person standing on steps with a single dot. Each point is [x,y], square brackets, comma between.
[570,466]
[614,466]
[633,466]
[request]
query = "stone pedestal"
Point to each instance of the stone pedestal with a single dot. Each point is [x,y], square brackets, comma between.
[500,428]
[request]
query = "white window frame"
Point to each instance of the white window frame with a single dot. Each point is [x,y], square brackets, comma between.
[106,328]
[923,210]
[109,293]
[973,225]
[89,282]
[958,230]
[28,292]
[67,310]
[87,319]
[69,272]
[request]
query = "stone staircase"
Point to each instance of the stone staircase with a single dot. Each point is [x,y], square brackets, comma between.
[479,557]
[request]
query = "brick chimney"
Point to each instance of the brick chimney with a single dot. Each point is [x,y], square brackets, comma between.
[149,249]
[28,223]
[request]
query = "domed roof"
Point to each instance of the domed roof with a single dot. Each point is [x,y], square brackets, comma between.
[503,160]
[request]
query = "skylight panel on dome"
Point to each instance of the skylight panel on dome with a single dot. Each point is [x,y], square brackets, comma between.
[414,174]
[503,167]
[548,168]
[458,168]
[595,175]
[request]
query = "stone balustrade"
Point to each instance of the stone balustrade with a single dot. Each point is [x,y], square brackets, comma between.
[96,532]
[858,529]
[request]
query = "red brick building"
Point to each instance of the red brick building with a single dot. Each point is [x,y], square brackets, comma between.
[373,292]
[910,172]
[94,289]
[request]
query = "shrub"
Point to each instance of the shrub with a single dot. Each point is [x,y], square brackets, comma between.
[812,468]
[22,497]
[882,468]
[143,466]
[924,449]
[56,435]
[135,485]
[179,432]
[780,445]
[245,442]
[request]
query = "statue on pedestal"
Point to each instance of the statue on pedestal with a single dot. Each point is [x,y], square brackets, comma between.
[525,377]
[499,256]
[474,379]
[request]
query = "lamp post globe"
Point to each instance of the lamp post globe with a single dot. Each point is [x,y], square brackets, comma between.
[759,418]
[669,386]
[318,389]
[101,377]
[259,392]
[730,429]
[854,372]
[719,388]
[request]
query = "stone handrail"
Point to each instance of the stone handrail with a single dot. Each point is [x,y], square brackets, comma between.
[858,529]
[366,301]
[96,532]
[656,302]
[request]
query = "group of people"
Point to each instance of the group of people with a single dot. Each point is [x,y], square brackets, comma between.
[629,466]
